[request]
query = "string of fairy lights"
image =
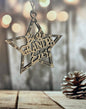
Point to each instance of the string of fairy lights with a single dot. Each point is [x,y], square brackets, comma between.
[52,15]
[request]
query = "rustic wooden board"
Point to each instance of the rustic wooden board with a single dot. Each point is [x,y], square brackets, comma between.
[8,99]
[38,100]
[35,100]
[66,102]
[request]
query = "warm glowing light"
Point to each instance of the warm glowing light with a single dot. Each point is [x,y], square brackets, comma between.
[16,27]
[6,19]
[51,15]
[18,8]
[4,26]
[62,16]
[72,2]
[12,2]
[26,10]
[44,3]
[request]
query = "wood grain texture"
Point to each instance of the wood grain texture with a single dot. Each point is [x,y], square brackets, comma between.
[8,99]
[66,102]
[35,100]
[38,100]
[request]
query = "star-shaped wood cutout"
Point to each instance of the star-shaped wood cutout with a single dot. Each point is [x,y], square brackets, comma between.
[38,46]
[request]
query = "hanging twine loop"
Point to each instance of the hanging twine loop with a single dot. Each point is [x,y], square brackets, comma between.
[33,14]
[32,4]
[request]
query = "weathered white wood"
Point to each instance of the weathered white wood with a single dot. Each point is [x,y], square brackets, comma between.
[8,99]
[65,102]
[35,100]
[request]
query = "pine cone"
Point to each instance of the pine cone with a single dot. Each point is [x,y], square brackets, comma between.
[74,85]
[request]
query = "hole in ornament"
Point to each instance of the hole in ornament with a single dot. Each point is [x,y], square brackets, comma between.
[34,29]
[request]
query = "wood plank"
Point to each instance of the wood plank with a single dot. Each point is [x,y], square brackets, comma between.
[66,102]
[35,100]
[8,99]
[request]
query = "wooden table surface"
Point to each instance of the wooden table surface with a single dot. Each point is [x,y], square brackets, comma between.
[38,100]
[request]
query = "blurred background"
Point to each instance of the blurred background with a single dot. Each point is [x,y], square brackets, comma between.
[65,17]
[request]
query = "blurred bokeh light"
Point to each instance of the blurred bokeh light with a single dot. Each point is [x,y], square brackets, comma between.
[26,10]
[44,3]
[3,25]
[12,2]
[16,27]
[62,16]
[51,15]
[72,2]
[6,19]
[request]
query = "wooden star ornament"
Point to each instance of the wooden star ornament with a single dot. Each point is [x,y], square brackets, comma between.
[38,46]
